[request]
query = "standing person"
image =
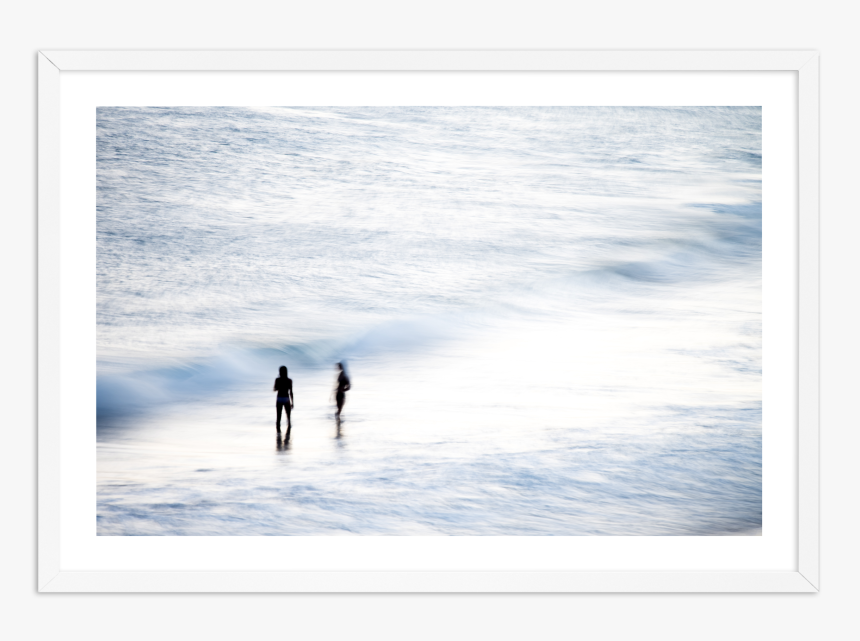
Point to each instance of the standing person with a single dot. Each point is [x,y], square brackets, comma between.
[342,387]
[284,388]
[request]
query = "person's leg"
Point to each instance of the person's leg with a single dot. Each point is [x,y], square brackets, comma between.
[288,408]
[340,399]
[278,424]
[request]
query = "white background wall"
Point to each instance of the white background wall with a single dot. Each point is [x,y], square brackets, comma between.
[829,26]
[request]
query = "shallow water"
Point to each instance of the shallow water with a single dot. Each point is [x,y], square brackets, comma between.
[551,319]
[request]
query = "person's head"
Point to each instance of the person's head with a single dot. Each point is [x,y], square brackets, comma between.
[340,367]
[283,370]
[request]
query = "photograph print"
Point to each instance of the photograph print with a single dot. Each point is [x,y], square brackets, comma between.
[470,321]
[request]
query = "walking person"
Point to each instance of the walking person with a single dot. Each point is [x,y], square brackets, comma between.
[285,399]
[342,387]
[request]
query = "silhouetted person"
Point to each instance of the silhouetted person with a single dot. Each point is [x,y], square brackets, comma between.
[342,387]
[284,388]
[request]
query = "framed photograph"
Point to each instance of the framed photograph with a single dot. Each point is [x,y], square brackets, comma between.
[428,321]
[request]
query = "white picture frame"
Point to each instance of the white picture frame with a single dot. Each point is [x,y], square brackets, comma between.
[51,577]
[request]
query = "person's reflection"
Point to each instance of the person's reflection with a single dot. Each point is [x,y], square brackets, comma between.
[339,434]
[282,445]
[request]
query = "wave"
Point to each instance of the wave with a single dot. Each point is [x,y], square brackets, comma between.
[728,250]
[120,393]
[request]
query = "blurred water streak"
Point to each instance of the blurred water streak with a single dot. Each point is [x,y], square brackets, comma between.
[551,317]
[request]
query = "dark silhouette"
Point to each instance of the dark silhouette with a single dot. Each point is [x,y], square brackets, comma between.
[284,388]
[342,387]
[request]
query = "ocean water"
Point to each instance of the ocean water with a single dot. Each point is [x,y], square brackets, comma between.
[551,318]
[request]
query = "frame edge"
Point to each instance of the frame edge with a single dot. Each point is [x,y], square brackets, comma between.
[48,301]
[431,60]
[808,323]
[431,582]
